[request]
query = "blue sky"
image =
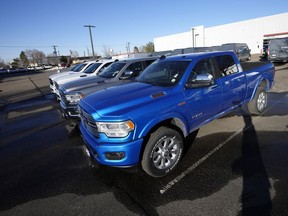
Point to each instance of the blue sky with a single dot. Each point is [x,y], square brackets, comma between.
[40,24]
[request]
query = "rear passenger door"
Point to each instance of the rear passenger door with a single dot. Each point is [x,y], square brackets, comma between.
[233,82]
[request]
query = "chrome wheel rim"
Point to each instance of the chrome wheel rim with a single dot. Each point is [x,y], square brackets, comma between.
[166,153]
[262,101]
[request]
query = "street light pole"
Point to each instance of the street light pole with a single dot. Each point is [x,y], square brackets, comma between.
[193,29]
[91,39]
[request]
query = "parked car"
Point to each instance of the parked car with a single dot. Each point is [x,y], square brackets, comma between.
[119,72]
[145,122]
[241,49]
[278,50]
[3,71]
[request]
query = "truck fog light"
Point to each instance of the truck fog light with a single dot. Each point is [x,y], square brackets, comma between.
[115,155]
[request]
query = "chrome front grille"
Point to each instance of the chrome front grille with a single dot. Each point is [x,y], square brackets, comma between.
[62,96]
[56,85]
[88,122]
[50,81]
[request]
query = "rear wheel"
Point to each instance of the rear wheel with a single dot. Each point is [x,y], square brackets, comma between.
[163,151]
[259,102]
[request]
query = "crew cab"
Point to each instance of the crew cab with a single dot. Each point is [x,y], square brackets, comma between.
[119,72]
[146,121]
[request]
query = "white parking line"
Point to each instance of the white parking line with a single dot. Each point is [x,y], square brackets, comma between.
[195,165]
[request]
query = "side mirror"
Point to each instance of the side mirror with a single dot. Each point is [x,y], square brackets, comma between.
[202,80]
[126,75]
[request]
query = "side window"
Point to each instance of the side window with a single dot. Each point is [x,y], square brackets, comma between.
[105,66]
[202,68]
[147,63]
[226,65]
[133,69]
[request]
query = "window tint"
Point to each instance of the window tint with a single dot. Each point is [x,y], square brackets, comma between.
[135,68]
[163,73]
[79,67]
[148,62]
[203,67]
[226,65]
[92,68]
[112,70]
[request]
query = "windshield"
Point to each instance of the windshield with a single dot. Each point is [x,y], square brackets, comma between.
[79,67]
[164,73]
[92,68]
[74,67]
[112,70]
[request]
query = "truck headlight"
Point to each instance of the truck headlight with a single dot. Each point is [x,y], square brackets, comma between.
[115,129]
[74,98]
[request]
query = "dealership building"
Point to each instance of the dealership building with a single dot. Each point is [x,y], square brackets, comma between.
[252,32]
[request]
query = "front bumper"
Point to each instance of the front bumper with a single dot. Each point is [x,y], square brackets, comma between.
[99,151]
[52,87]
[69,111]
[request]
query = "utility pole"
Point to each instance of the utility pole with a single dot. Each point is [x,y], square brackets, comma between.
[91,39]
[55,53]
[128,49]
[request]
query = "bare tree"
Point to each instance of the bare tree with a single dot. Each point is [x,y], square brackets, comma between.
[2,63]
[35,56]
[74,53]
[52,59]
[107,51]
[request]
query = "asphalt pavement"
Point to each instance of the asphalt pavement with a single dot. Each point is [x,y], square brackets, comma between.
[235,165]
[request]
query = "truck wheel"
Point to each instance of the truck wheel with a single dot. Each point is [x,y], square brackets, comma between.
[259,102]
[163,151]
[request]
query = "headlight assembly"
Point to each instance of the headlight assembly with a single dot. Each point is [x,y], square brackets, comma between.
[74,98]
[115,129]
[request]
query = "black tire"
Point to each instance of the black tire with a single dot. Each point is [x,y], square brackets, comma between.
[259,103]
[162,152]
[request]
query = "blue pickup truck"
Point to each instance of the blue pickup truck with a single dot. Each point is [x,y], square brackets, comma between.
[146,122]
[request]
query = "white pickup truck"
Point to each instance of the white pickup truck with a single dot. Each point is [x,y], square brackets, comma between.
[92,68]
[78,68]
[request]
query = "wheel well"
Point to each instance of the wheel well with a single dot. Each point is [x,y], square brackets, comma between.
[263,84]
[171,123]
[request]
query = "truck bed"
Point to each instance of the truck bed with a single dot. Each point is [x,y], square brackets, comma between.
[250,65]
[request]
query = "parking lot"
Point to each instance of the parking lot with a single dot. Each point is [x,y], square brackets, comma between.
[235,166]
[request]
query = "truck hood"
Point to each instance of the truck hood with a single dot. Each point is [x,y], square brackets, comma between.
[58,75]
[84,82]
[71,77]
[122,99]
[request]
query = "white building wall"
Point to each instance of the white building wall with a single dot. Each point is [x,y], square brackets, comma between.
[249,31]
[171,42]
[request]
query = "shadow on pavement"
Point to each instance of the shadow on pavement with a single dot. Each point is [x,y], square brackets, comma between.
[255,196]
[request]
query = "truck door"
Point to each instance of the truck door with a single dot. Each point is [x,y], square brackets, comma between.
[233,82]
[203,102]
